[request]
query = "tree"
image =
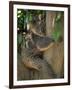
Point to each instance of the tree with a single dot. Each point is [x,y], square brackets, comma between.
[55,54]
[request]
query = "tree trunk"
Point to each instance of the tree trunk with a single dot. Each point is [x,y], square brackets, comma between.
[54,55]
[50,18]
